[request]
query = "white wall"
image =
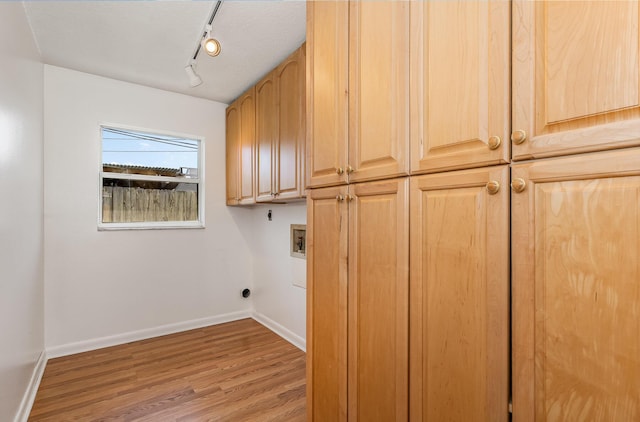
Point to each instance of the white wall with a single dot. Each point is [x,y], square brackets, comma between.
[275,296]
[21,267]
[100,284]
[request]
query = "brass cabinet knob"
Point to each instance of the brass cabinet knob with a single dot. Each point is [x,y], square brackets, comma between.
[350,169]
[494,142]
[339,170]
[518,185]
[340,198]
[518,137]
[350,198]
[493,187]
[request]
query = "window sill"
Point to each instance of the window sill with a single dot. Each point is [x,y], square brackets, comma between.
[169,225]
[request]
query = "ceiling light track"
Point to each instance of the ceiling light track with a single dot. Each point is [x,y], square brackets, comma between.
[206,43]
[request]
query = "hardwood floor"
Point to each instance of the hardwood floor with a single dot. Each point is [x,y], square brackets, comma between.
[238,371]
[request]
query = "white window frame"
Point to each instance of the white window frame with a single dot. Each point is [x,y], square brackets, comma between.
[153,225]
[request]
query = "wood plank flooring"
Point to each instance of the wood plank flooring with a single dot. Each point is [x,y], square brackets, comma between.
[238,371]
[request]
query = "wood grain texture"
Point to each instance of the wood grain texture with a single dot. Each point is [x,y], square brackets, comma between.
[327,91]
[460,85]
[266,135]
[232,152]
[247,106]
[289,159]
[228,372]
[378,301]
[459,296]
[576,343]
[576,76]
[327,230]
[378,89]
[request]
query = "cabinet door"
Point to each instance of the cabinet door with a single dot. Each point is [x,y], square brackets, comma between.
[232,153]
[289,153]
[378,301]
[378,90]
[459,84]
[266,136]
[575,76]
[576,288]
[327,229]
[327,78]
[246,103]
[460,296]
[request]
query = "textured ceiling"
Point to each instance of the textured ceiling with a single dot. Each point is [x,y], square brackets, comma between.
[150,42]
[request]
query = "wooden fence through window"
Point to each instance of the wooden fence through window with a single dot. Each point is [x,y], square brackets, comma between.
[134,204]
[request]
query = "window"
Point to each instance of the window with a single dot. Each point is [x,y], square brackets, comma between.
[150,180]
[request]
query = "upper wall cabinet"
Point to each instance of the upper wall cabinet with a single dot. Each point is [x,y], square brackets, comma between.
[358,91]
[460,94]
[576,77]
[289,163]
[266,136]
[240,151]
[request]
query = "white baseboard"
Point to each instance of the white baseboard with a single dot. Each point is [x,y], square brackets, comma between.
[99,343]
[30,394]
[283,332]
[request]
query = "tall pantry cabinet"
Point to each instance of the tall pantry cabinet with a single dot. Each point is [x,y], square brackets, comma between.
[523,211]
[362,364]
[575,226]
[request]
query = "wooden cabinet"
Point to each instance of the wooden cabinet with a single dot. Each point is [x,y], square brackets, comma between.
[240,149]
[576,76]
[460,93]
[327,250]
[289,154]
[373,371]
[266,136]
[576,289]
[327,92]
[232,152]
[358,91]
[460,296]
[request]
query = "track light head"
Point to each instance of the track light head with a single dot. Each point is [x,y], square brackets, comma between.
[194,79]
[210,44]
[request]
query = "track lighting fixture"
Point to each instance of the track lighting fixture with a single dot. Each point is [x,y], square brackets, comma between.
[210,44]
[194,78]
[206,43]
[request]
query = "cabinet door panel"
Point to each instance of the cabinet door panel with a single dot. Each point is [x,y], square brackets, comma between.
[266,136]
[576,290]
[378,301]
[575,76]
[459,84]
[289,162]
[460,296]
[327,305]
[327,79]
[378,89]
[232,153]
[247,147]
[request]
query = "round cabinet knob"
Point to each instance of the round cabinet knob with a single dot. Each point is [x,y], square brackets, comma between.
[340,198]
[518,185]
[339,170]
[494,142]
[518,137]
[350,198]
[350,169]
[493,187]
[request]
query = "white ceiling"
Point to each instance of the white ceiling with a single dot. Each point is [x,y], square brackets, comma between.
[150,42]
